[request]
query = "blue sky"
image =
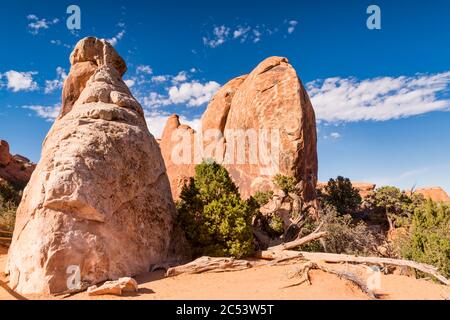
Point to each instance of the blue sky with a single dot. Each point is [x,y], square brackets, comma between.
[381,96]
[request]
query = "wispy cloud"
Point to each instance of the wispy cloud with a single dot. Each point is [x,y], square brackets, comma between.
[193,94]
[20,81]
[379,99]
[57,83]
[36,24]
[60,43]
[156,121]
[219,35]
[159,79]
[245,32]
[115,40]
[333,136]
[49,113]
[144,69]
[292,25]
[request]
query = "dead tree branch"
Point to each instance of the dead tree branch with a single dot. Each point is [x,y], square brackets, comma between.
[209,264]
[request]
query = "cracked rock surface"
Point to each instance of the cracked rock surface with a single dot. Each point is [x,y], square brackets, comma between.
[98,205]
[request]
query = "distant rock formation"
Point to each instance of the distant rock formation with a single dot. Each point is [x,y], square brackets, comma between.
[178,172]
[15,169]
[257,126]
[434,193]
[98,206]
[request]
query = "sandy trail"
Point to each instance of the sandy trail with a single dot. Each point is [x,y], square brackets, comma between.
[264,282]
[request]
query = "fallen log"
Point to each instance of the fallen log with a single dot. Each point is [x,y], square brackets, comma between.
[303,272]
[299,242]
[340,258]
[336,258]
[14,294]
[209,264]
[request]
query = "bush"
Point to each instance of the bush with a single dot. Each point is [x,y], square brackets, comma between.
[345,236]
[429,237]
[285,183]
[341,195]
[396,206]
[215,219]
[7,216]
[9,200]
[261,198]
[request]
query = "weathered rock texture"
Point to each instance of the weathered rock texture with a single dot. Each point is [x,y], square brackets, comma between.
[270,100]
[99,200]
[117,287]
[178,170]
[15,169]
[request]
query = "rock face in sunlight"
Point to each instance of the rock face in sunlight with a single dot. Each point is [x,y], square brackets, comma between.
[15,169]
[257,126]
[177,171]
[98,205]
[435,194]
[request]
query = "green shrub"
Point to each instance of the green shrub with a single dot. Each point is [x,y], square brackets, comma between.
[7,216]
[9,200]
[341,195]
[285,183]
[262,198]
[429,238]
[215,219]
[396,206]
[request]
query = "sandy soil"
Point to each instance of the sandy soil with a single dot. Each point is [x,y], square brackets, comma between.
[265,282]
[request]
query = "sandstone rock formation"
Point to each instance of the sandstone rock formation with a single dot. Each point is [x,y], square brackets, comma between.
[15,169]
[435,193]
[179,169]
[256,126]
[98,206]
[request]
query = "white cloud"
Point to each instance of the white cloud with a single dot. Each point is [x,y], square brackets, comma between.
[115,40]
[334,135]
[144,69]
[292,25]
[20,81]
[156,121]
[379,99]
[52,85]
[241,33]
[245,32]
[155,100]
[60,43]
[49,113]
[193,93]
[36,24]
[159,79]
[130,82]
[180,77]
[220,35]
